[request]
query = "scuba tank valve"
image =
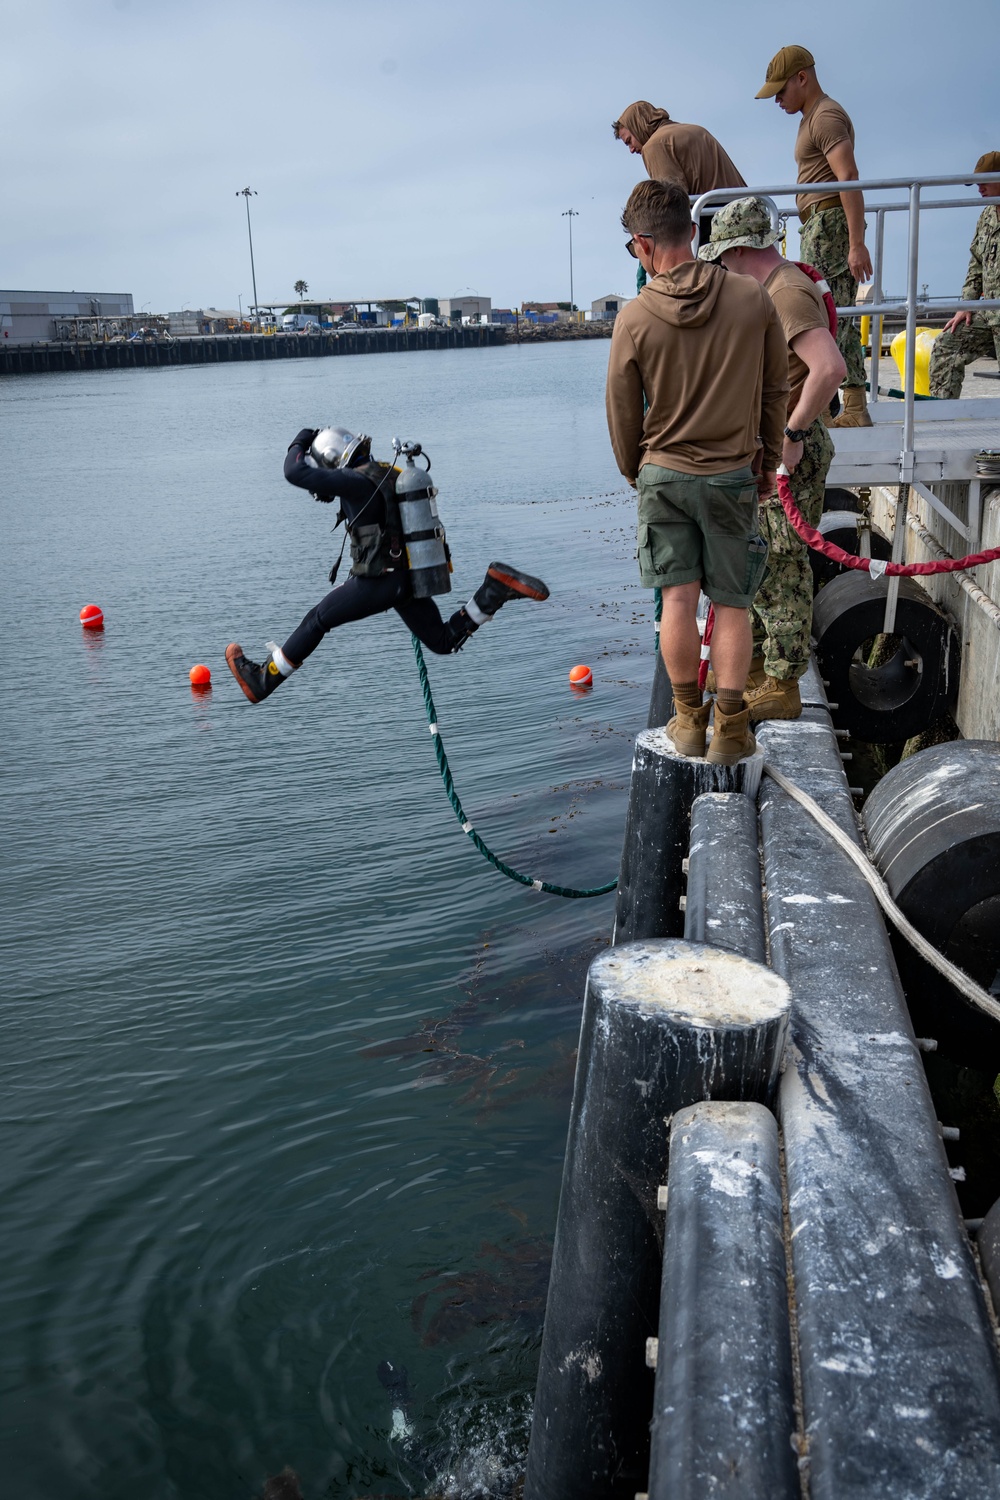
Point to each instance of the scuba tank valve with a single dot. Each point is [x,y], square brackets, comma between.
[423,535]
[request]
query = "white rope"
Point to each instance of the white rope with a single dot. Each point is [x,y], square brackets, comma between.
[956,976]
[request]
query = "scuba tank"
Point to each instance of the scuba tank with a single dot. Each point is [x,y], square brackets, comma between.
[423,535]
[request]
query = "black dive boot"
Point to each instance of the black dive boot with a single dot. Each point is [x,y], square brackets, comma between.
[500,585]
[503,583]
[257,682]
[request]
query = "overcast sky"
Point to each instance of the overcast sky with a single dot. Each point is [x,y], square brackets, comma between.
[430,148]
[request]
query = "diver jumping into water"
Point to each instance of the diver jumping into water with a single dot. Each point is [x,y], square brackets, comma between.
[387,554]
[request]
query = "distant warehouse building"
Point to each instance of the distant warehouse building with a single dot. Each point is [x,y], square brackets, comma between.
[33,317]
[457,309]
[607,307]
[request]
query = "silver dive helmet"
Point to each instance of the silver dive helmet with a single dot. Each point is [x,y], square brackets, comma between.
[336,448]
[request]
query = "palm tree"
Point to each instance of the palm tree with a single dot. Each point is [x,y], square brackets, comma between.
[301,287]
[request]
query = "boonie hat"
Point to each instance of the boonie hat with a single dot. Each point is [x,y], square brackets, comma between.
[784,65]
[744,222]
[988,162]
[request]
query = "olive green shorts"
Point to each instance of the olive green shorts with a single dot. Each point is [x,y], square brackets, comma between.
[695,528]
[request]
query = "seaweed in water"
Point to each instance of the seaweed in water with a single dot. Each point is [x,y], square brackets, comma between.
[510,1285]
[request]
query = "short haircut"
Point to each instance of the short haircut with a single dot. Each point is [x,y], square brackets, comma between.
[659,209]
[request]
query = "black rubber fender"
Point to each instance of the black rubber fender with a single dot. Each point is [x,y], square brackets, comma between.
[841,528]
[837,498]
[891,703]
[933,826]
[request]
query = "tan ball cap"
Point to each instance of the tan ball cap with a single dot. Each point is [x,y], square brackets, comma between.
[988,162]
[784,65]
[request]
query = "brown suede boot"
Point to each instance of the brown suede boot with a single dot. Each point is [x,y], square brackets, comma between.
[776,698]
[755,676]
[855,412]
[687,728]
[731,739]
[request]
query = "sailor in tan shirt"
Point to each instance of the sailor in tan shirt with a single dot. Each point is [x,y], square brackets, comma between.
[673,152]
[707,352]
[744,242]
[832,237]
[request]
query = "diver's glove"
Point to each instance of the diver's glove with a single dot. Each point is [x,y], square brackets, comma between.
[305,438]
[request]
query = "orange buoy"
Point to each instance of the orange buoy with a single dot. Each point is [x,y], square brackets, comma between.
[581,676]
[91,617]
[200,676]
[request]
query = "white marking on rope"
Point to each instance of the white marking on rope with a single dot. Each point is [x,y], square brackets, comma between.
[706,653]
[536,885]
[433,728]
[466,827]
[877,566]
[782,470]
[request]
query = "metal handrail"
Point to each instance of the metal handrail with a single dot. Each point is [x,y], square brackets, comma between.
[852,185]
[912,186]
[878,308]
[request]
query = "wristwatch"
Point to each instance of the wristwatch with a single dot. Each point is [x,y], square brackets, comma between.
[795,436]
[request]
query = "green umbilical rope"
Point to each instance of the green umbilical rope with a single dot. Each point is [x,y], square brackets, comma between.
[453,798]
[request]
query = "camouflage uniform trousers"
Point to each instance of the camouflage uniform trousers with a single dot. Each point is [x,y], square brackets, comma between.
[781,615]
[953,351]
[823,243]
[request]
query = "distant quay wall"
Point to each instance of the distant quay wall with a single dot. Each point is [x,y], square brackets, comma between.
[210,349]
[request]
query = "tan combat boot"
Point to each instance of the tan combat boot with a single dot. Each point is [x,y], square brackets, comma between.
[855,412]
[731,739]
[687,728]
[776,698]
[755,676]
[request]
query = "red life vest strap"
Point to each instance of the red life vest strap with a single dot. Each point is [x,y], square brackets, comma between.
[823,285]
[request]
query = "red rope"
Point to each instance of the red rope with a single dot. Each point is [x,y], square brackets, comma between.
[706,641]
[819,543]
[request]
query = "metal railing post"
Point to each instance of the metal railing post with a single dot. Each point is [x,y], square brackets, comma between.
[876,322]
[909,384]
[913,247]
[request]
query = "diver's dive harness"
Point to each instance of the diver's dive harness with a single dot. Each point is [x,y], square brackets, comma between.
[411,535]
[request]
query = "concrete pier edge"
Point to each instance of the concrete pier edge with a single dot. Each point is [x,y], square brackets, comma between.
[899,1366]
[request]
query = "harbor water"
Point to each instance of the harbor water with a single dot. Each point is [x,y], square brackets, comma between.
[286,1063]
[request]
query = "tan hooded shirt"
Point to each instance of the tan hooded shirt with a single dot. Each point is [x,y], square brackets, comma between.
[708,352]
[672,152]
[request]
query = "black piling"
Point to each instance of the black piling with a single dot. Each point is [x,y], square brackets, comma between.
[657,831]
[661,699]
[724,1408]
[988,1243]
[723,904]
[665,1024]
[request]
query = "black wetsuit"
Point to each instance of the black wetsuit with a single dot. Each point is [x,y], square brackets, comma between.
[357,598]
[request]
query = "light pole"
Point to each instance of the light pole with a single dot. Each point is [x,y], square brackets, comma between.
[249,193]
[570,214]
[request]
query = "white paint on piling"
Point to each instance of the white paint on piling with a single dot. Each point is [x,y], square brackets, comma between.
[703,987]
[586,1359]
[731,1175]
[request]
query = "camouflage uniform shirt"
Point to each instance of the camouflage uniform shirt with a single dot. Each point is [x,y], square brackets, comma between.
[983,276]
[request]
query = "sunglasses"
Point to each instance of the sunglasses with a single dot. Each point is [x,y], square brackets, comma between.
[630,244]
